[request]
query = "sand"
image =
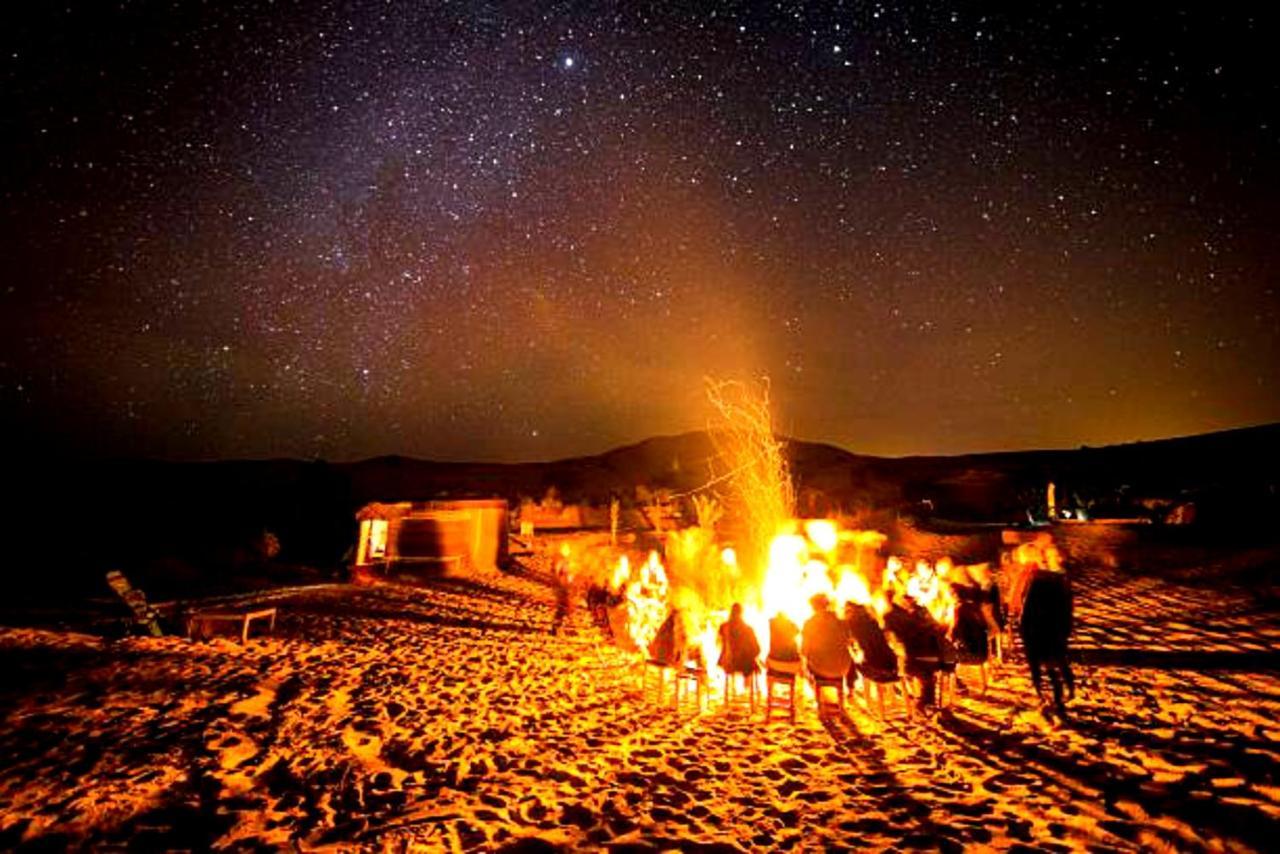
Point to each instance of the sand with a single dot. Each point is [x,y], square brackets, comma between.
[449,718]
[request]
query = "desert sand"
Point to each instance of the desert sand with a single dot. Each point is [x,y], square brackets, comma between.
[447,717]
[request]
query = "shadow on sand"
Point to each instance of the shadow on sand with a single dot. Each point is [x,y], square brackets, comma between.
[1250,660]
[1114,782]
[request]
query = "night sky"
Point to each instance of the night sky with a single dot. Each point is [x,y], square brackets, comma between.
[529,230]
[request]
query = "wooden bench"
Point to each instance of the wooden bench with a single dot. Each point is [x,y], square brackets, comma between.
[198,624]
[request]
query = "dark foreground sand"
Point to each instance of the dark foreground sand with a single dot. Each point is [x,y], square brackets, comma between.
[447,718]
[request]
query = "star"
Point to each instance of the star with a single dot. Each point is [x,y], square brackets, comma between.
[273,231]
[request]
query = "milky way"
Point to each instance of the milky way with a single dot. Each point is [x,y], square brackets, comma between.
[528,230]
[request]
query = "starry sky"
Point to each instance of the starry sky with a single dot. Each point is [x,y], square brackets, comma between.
[519,231]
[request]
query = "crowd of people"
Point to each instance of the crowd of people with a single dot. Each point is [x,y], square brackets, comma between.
[900,638]
[906,639]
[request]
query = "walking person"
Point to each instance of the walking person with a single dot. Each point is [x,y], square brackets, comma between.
[562,578]
[1047,616]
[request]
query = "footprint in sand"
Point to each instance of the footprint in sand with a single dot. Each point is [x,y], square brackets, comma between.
[233,750]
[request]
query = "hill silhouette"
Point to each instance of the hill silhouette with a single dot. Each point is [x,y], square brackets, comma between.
[687,461]
[84,517]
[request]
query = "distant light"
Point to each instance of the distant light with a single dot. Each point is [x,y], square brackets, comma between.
[568,62]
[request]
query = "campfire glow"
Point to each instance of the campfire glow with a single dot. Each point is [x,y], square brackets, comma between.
[843,565]
[768,561]
[647,594]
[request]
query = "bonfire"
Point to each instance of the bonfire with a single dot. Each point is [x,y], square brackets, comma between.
[758,553]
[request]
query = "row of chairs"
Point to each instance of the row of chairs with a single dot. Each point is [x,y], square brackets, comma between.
[780,687]
[684,678]
[899,686]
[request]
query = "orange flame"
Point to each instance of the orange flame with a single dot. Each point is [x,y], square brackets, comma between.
[808,557]
[647,593]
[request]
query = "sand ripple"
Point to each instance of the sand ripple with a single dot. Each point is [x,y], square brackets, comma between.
[449,718]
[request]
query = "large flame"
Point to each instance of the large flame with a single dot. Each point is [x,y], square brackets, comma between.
[811,557]
[776,563]
[646,594]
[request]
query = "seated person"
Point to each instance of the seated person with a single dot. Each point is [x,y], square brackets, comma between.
[668,646]
[784,656]
[922,643]
[879,662]
[969,633]
[825,642]
[739,648]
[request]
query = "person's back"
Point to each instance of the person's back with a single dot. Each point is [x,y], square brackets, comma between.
[993,609]
[921,643]
[866,633]
[915,630]
[739,647]
[825,645]
[668,645]
[970,630]
[1046,622]
[1047,613]
[782,639]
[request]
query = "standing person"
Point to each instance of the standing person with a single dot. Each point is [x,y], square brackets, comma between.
[563,580]
[970,631]
[1045,625]
[993,611]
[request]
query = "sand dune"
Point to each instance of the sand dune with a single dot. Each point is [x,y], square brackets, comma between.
[449,718]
